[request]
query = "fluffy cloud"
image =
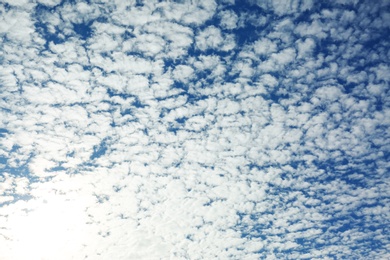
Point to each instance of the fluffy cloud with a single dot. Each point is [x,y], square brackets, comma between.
[177,130]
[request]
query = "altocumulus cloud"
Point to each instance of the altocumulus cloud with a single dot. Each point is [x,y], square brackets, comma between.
[194,129]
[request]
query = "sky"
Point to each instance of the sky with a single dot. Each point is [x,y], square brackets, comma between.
[226,129]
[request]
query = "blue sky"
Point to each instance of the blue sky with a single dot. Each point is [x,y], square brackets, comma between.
[194,129]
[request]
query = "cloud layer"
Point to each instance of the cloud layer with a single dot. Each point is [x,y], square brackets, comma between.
[194,130]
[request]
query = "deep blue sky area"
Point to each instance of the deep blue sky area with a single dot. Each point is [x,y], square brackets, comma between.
[194,129]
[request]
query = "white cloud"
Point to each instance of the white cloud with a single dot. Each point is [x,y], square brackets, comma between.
[211,37]
[278,61]
[269,80]
[306,47]
[314,29]
[183,73]
[229,20]
[17,25]
[285,7]
[196,13]
[182,130]
[17,2]
[265,46]
[49,2]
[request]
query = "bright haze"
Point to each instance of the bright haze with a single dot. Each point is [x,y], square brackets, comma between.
[194,129]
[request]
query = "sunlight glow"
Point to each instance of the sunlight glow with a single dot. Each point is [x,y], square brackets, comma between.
[52,227]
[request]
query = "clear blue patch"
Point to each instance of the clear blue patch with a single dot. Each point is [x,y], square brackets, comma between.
[128,35]
[139,3]
[173,129]
[21,171]
[84,30]
[138,104]
[99,151]
[3,132]
[181,120]
[179,85]
[126,112]
[3,162]
[57,169]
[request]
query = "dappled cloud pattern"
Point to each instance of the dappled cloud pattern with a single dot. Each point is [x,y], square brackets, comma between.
[194,129]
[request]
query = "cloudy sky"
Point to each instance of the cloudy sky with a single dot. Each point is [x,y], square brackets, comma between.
[194,129]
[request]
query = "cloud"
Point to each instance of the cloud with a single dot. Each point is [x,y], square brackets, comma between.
[17,25]
[177,130]
[49,2]
[212,38]
[285,7]
[229,20]
[305,47]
